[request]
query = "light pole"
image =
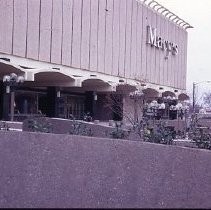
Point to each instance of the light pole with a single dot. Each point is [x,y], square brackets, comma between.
[194,92]
[11,81]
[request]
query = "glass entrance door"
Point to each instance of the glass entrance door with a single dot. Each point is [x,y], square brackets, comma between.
[71,106]
[69,109]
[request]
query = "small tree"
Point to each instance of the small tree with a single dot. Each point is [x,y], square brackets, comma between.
[207,99]
[138,124]
[115,103]
[42,125]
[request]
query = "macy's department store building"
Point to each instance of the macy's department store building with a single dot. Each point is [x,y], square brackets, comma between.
[74,53]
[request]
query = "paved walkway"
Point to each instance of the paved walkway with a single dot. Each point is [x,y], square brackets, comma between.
[184,142]
[14,126]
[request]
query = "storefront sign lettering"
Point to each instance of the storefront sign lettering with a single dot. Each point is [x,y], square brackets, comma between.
[154,40]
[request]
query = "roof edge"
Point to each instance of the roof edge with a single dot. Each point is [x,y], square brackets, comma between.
[157,7]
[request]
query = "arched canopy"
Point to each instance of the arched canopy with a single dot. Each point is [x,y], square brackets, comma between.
[94,82]
[150,93]
[168,93]
[7,68]
[97,85]
[126,88]
[183,97]
[52,76]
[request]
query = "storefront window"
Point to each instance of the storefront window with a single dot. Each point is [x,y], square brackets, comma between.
[26,103]
[71,107]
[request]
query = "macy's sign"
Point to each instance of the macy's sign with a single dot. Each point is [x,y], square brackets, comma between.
[154,40]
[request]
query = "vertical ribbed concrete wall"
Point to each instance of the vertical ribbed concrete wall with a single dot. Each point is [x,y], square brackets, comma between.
[107,36]
[47,170]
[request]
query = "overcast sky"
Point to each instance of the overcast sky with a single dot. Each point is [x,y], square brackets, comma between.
[198,14]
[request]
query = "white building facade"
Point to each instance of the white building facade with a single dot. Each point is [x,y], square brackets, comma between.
[73,53]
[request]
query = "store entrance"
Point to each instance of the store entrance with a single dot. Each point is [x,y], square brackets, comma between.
[70,107]
[26,102]
[33,103]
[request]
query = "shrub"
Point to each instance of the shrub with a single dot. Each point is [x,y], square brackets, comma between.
[160,134]
[118,132]
[78,128]
[202,139]
[39,125]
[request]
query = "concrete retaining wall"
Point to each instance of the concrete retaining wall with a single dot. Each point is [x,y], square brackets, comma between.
[48,170]
[64,126]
